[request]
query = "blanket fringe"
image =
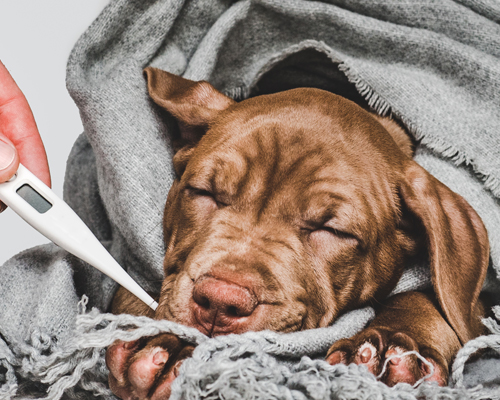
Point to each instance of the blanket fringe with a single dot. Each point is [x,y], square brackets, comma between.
[9,388]
[78,365]
[446,149]
[491,341]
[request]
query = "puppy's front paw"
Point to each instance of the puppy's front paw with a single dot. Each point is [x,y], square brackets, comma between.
[146,368]
[372,347]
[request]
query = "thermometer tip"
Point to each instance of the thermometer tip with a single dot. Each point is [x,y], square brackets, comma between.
[153,305]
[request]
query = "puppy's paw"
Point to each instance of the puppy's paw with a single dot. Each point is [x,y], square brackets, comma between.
[145,368]
[372,347]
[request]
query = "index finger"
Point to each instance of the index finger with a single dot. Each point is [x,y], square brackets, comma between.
[18,125]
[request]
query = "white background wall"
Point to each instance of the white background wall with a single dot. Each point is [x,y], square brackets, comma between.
[36,37]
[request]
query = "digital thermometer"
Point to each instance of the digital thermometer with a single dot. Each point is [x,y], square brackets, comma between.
[39,206]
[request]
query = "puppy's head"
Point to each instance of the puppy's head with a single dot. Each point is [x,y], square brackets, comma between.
[292,208]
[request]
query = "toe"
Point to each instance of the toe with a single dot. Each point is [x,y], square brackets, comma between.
[337,357]
[340,352]
[367,355]
[401,367]
[163,389]
[145,368]
[439,371]
[117,356]
[118,389]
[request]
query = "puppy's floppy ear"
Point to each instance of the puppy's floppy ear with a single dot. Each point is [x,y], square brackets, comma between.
[458,247]
[193,104]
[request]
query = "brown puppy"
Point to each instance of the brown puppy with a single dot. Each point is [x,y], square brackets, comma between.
[289,210]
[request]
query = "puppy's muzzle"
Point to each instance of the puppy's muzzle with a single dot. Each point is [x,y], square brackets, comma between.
[219,305]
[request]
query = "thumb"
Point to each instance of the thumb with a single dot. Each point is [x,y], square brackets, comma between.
[9,159]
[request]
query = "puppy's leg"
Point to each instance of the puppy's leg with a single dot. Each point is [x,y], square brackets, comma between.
[143,368]
[408,321]
[125,302]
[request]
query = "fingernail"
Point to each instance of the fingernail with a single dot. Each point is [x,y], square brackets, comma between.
[130,345]
[176,368]
[395,360]
[366,355]
[160,358]
[7,155]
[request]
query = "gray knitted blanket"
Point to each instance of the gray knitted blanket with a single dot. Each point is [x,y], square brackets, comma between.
[433,64]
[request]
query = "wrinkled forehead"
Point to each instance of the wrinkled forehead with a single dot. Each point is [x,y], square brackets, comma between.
[294,135]
[305,116]
[289,151]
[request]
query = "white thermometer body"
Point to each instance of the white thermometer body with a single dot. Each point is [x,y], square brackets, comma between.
[39,206]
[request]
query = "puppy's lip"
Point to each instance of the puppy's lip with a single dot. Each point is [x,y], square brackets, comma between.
[212,330]
[258,321]
[220,325]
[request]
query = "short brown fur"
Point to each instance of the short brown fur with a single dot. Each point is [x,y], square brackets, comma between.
[293,208]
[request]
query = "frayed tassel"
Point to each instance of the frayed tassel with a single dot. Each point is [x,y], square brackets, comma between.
[78,363]
[482,342]
[220,367]
[446,149]
[9,388]
[375,101]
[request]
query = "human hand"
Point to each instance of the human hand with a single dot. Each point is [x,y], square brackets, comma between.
[19,137]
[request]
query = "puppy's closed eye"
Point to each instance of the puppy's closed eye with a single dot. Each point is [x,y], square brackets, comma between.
[338,233]
[325,238]
[204,198]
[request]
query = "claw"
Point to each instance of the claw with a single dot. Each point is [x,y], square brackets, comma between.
[337,357]
[147,367]
[391,356]
[160,358]
[366,355]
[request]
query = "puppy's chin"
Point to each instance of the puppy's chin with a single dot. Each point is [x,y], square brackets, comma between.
[263,318]
[285,316]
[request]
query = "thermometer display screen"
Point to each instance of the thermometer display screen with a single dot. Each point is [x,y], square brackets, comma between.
[34,199]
